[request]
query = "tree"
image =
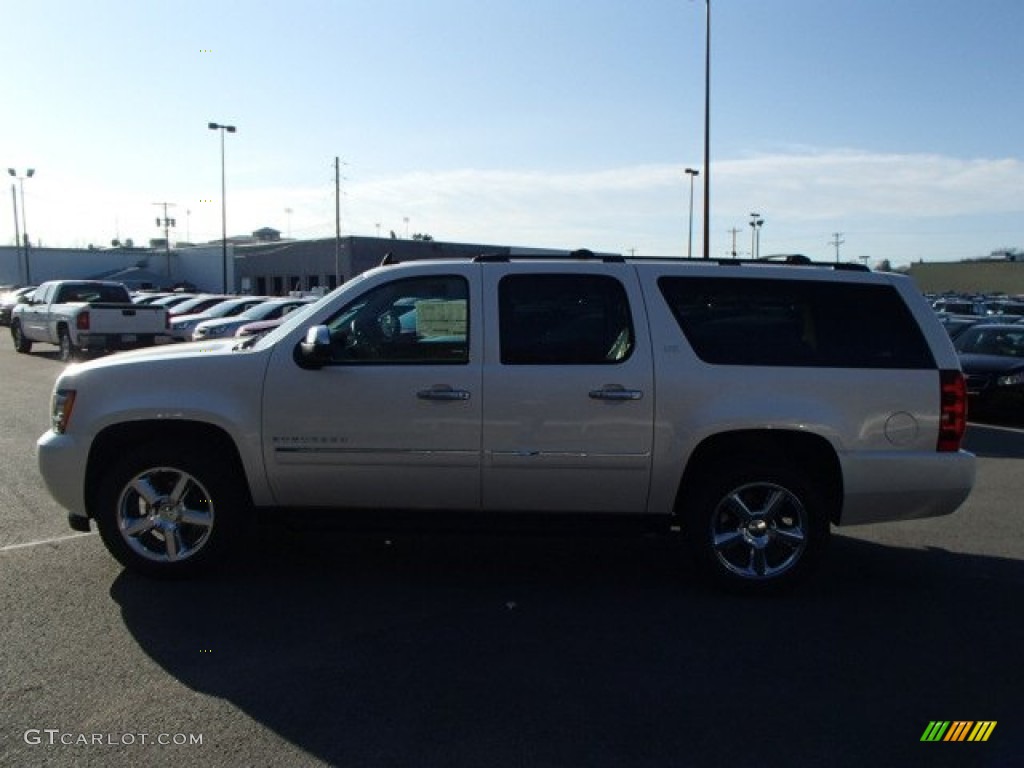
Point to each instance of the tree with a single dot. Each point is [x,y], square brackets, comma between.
[422,236]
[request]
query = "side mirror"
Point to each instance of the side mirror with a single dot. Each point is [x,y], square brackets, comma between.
[314,351]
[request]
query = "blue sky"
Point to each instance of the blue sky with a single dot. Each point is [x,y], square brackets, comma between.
[546,123]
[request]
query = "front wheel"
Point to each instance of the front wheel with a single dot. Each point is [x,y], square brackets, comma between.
[21,344]
[171,510]
[756,527]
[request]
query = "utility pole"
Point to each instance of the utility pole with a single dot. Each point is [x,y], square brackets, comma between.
[734,231]
[166,223]
[837,241]
[337,222]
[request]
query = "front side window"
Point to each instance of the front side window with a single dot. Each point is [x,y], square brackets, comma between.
[564,320]
[415,320]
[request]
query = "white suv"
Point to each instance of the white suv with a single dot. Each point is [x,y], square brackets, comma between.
[750,405]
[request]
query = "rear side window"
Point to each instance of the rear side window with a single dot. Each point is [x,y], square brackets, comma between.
[796,323]
[564,320]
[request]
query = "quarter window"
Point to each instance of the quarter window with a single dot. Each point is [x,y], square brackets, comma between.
[421,320]
[564,320]
[796,323]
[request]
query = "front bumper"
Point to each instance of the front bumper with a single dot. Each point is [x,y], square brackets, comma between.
[62,466]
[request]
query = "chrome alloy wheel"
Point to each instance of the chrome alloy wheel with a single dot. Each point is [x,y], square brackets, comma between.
[165,514]
[759,530]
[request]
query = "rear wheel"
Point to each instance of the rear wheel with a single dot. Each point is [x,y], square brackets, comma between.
[67,349]
[170,510]
[756,527]
[21,344]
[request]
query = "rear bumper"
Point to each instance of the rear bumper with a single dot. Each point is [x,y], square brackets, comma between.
[888,486]
[116,341]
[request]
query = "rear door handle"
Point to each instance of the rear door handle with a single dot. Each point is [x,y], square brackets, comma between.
[615,392]
[442,393]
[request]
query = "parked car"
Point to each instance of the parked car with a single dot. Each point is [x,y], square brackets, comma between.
[84,316]
[182,326]
[743,407]
[172,299]
[148,297]
[197,304]
[11,299]
[271,309]
[992,359]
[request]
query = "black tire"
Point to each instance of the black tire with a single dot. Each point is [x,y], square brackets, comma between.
[191,519]
[756,526]
[21,344]
[67,349]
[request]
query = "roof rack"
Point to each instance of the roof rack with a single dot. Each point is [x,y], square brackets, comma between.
[796,260]
[584,254]
[581,254]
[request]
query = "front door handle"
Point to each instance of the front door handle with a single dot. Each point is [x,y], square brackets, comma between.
[615,392]
[442,392]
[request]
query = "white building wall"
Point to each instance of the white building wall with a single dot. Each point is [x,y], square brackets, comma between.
[201,265]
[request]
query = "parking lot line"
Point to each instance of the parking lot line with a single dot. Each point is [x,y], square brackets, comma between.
[45,541]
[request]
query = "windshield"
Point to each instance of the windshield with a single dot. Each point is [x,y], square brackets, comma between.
[992,340]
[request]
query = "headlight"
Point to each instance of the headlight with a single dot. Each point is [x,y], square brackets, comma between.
[60,409]
[1013,380]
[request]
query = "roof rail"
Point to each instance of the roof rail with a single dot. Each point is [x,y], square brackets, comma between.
[794,260]
[581,254]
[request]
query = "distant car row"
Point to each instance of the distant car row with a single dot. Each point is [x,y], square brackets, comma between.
[988,336]
[36,314]
[203,316]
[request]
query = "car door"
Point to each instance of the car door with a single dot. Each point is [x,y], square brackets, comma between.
[392,420]
[568,388]
[33,315]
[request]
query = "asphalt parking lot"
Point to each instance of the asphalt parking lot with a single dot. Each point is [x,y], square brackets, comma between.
[435,650]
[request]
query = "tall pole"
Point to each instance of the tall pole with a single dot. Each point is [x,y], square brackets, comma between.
[337,222]
[166,223]
[223,202]
[689,243]
[753,235]
[26,242]
[17,230]
[837,241]
[707,129]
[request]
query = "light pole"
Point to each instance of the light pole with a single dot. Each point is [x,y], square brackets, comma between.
[223,201]
[707,129]
[755,234]
[689,243]
[24,227]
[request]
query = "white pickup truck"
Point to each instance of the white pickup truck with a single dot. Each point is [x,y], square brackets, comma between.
[748,405]
[82,316]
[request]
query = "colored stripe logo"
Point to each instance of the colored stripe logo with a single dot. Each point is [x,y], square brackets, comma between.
[958,730]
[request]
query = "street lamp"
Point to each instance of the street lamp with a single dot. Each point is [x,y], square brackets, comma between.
[707,129]
[223,201]
[755,235]
[689,243]
[24,227]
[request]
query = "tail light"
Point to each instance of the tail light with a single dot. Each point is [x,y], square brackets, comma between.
[953,412]
[82,323]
